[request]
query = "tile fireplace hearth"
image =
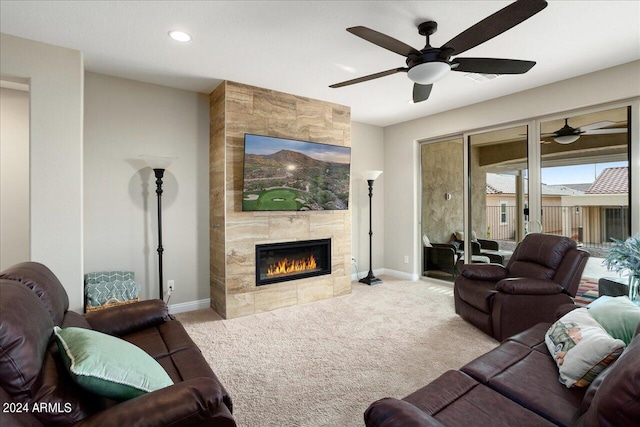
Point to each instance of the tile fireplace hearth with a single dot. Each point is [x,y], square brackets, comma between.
[279,262]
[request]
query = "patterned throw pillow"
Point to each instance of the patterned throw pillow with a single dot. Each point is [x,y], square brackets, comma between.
[102,286]
[108,276]
[99,293]
[581,348]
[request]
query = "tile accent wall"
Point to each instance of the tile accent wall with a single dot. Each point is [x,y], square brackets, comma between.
[237,109]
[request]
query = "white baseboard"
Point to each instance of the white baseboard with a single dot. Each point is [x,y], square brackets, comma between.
[401,274]
[206,303]
[183,307]
[380,271]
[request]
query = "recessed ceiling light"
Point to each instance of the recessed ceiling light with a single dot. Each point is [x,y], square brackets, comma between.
[180,36]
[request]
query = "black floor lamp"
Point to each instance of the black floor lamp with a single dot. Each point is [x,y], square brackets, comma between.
[159,164]
[370,176]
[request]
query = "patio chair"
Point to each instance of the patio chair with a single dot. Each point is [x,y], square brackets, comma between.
[441,257]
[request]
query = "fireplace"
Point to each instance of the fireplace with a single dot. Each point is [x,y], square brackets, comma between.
[279,262]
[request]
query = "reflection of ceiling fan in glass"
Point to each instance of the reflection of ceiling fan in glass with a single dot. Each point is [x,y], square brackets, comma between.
[568,134]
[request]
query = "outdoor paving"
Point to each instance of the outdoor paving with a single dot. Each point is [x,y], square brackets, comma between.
[595,269]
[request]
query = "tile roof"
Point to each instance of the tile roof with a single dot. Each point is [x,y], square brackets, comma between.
[611,181]
[506,184]
[580,187]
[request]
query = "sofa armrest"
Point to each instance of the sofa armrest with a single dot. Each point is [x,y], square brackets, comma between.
[186,403]
[128,318]
[528,286]
[488,272]
[390,412]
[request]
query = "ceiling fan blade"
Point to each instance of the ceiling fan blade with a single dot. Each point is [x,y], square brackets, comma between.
[596,125]
[494,25]
[369,77]
[491,65]
[421,92]
[383,40]
[605,131]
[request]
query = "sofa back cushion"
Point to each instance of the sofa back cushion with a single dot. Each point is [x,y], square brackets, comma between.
[531,270]
[616,401]
[44,283]
[25,330]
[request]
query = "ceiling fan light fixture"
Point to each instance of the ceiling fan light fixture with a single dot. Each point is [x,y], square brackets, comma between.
[566,139]
[429,72]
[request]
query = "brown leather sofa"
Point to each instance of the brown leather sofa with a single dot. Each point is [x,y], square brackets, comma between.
[542,274]
[36,389]
[516,384]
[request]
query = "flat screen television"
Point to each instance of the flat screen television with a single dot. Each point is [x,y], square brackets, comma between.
[289,175]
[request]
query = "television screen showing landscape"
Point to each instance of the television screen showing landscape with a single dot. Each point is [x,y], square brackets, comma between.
[288,175]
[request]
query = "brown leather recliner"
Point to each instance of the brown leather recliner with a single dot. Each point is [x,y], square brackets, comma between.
[36,389]
[543,273]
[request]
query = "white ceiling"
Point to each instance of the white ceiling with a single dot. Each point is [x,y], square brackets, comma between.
[302,47]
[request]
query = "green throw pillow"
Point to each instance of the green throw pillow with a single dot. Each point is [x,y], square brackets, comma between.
[619,316]
[107,365]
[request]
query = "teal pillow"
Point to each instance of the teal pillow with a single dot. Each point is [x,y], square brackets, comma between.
[619,316]
[107,365]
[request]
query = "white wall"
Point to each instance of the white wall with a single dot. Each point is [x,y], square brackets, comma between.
[401,148]
[124,119]
[367,153]
[14,177]
[56,78]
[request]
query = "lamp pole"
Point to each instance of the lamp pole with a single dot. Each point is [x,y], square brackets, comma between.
[159,174]
[159,164]
[370,279]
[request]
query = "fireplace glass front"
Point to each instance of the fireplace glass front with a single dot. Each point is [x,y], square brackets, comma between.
[279,262]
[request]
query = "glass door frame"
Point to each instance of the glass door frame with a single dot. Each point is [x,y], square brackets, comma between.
[421,143]
[633,157]
[467,175]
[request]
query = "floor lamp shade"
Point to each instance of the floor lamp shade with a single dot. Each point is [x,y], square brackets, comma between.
[370,176]
[159,164]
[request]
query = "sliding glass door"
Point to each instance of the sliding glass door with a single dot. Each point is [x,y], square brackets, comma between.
[568,174]
[442,203]
[498,192]
[584,172]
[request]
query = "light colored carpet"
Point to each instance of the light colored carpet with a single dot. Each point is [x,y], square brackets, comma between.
[322,364]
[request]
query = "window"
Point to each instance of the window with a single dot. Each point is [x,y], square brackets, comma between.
[503,213]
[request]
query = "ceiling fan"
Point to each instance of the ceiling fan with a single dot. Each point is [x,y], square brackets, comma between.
[568,134]
[426,66]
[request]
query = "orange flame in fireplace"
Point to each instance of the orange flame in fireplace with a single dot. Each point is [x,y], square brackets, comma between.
[287,267]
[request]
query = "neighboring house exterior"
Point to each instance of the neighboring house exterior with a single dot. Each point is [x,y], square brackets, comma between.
[501,205]
[591,213]
[605,206]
